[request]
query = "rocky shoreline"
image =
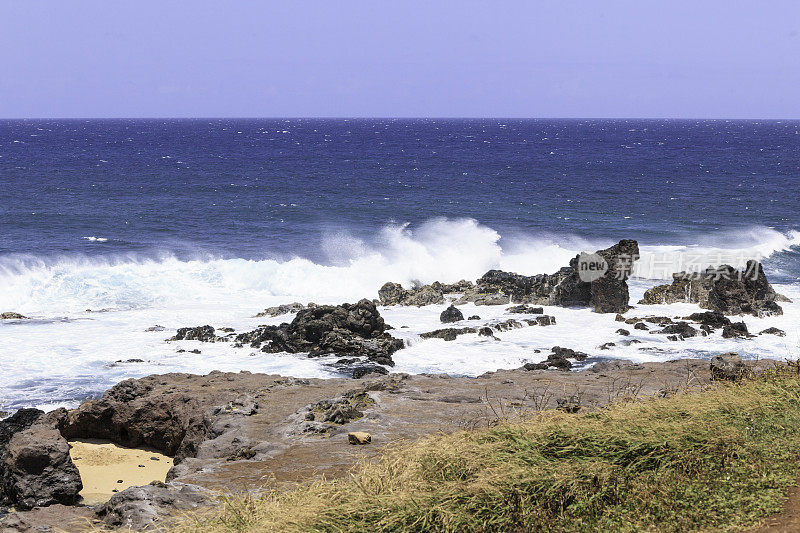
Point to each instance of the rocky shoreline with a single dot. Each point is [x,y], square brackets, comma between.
[244,432]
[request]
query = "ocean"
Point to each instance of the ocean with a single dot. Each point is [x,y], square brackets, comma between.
[110,227]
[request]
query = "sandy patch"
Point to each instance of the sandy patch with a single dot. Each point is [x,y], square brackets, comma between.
[107,468]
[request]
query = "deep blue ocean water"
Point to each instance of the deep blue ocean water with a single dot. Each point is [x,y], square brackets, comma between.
[110,227]
[274,188]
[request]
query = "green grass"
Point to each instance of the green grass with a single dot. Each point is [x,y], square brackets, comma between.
[718,459]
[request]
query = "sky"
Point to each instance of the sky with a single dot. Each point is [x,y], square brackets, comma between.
[611,59]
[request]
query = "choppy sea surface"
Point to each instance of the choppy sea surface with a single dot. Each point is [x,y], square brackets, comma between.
[109,227]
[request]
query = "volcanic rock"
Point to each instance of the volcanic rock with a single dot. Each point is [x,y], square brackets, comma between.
[347,329]
[727,366]
[723,289]
[451,314]
[37,469]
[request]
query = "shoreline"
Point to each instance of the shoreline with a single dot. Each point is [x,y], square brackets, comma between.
[236,432]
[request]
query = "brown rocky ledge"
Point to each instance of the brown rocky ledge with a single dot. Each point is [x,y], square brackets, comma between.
[243,432]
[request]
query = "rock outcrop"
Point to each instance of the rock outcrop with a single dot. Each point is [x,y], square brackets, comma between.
[11,315]
[283,309]
[199,333]
[348,329]
[19,421]
[727,366]
[394,293]
[37,469]
[606,294]
[723,289]
[451,314]
[448,334]
[139,508]
[228,429]
[559,359]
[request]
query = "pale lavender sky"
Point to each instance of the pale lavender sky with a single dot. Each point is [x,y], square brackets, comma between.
[162,58]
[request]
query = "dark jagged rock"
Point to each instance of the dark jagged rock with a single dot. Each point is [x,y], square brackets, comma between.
[712,319]
[535,366]
[608,294]
[727,366]
[525,309]
[283,309]
[448,334]
[37,469]
[348,329]
[607,345]
[623,332]
[680,328]
[546,320]
[361,371]
[474,317]
[485,332]
[199,333]
[736,330]
[19,421]
[451,314]
[569,353]
[660,320]
[558,361]
[723,289]
[773,331]
[641,325]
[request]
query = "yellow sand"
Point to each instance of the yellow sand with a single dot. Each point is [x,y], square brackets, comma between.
[102,464]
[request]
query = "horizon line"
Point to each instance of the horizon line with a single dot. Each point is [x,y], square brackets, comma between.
[325,117]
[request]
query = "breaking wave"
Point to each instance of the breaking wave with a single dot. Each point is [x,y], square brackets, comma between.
[440,249]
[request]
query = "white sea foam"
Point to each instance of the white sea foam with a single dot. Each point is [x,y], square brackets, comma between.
[95,239]
[47,360]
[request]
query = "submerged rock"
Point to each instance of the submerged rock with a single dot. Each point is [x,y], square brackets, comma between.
[723,289]
[680,328]
[448,334]
[773,331]
[525,309]
[361,371]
